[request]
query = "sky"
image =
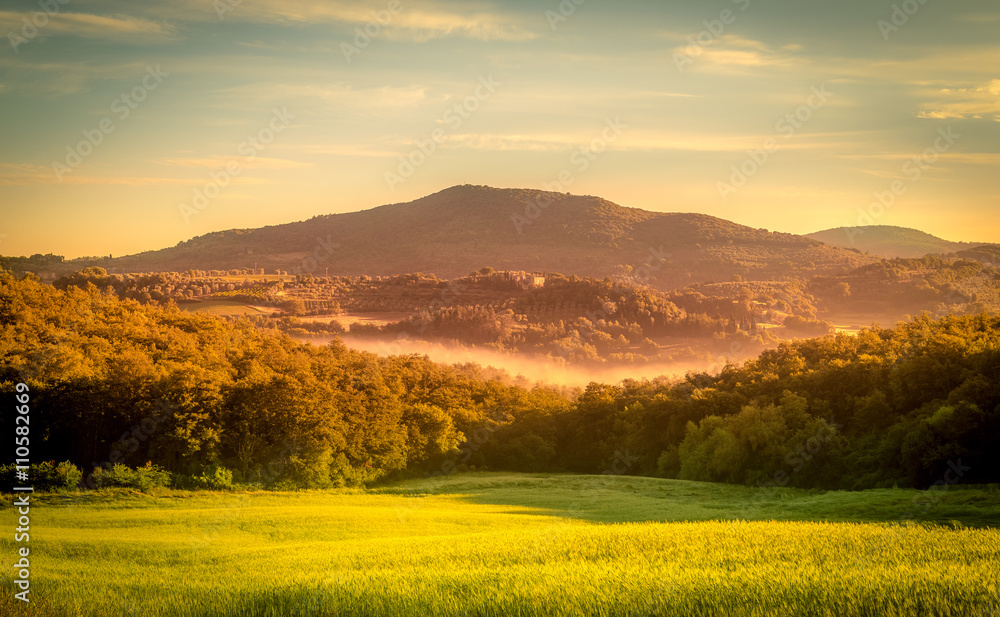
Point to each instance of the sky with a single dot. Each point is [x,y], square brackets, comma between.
[131,126]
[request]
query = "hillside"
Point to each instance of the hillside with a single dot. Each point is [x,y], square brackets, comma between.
[888,241]
[463,228]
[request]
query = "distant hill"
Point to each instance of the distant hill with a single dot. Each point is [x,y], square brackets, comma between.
[888,241]
[464,228]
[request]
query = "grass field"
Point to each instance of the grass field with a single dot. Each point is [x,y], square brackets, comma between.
[509,544]
[225,308]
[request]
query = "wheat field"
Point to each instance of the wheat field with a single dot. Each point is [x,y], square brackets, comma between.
[507,544]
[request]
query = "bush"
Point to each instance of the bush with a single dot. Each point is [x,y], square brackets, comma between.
[45,476]
[49,476]
[804,325]
[212,477]
[122,476]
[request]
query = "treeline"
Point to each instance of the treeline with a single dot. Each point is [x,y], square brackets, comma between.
[917,405]
[115,381]
[163,287]
[579,320]
[939,284]
[118,382]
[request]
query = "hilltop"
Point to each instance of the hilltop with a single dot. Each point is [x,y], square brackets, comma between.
[888,241]
[463,228]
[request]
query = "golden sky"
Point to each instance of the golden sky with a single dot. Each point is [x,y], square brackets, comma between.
[130,126]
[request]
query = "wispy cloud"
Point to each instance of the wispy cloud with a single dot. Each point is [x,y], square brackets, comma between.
[15,174]
[969,158]
[68,77]
[412,22]
[507,142]
[352,150]
[343,95]
[978,18]
[120,28]
[218,160]
[731,52]
[26,174]
[963,103]
[646,141]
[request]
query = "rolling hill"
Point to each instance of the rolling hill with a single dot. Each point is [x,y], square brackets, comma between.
[464,228]
[888,241]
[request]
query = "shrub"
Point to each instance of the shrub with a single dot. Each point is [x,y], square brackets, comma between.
[122,476]
[45,476]
[212,477]
[804,325]
[49,476]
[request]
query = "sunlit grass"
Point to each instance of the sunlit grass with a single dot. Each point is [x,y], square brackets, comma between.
[492,544]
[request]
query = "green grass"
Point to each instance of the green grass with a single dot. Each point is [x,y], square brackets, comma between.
[510,544]
[222,308]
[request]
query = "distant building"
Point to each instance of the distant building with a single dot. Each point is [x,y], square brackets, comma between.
[528,280]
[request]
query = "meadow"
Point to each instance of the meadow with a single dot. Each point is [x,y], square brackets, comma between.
[514,544]
[225,308]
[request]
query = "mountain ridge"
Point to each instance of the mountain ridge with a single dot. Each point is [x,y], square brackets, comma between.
[466,227]
[891,241]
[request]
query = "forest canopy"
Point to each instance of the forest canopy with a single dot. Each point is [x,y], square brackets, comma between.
[114,380]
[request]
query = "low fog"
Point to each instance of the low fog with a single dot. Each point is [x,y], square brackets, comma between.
[531,368]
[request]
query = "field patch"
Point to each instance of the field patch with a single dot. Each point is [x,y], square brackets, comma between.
[225,308]
[508,544]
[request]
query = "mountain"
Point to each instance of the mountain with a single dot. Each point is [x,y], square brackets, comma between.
[888,241]
[465,228]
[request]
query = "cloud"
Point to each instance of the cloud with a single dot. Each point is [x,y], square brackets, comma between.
[342,149]
[121,28]
[978,18]
[645,141]
[343,95]
[941,66]
[409,23]
[508,142]
[27,174]
[412,21]
[422,27]
[968,158]
[981,102]
[15,174]
[70,77]
[731,52]
[150,181]
[218,161]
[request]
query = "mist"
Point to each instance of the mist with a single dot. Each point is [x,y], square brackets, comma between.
[533,369]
